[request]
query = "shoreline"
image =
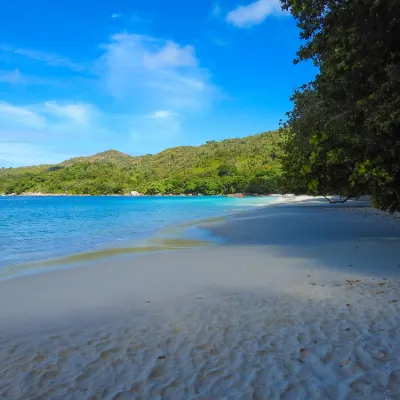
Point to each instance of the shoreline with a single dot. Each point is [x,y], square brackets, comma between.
[160,242]
[169,238]
[300,301]
[33,194]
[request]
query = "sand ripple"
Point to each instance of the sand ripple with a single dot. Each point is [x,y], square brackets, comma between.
[339,342]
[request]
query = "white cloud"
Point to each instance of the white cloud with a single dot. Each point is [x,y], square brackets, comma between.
[116,15]
[161,114]
[48,118]
[255,13]
[154,73]
[20,115]
[53,60]
[170,55]
[156,85]
[76,112]
[45,114]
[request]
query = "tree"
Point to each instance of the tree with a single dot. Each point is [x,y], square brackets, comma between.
[226,170]
[155,188]
[207,186]
[344,129]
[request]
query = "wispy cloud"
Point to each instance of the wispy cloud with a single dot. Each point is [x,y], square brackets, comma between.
[158,129]
[155,86]
[137,18]
[154,72]
[49,116]
[51,130]
[12,115]
[50,59]
[78,113]
[246,16]
[134,18]
[16,77]
[218,41]
[13,77]
[161,114]
[216,10]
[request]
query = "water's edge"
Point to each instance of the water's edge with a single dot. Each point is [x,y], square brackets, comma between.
[188,234]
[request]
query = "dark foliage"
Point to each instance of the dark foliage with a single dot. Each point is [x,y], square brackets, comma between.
[343,134]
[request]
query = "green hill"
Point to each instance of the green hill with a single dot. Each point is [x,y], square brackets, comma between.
[234,165]
[113,156]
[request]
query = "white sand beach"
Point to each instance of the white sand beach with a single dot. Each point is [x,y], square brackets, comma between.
[299,301]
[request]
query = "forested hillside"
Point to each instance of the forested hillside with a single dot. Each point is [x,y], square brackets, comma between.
[247,165]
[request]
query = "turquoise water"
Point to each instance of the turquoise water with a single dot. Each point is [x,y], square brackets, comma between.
[38,228]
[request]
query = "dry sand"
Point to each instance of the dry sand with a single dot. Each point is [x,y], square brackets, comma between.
[300,301]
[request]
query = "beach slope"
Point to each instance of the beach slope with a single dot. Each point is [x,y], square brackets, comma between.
[299,301]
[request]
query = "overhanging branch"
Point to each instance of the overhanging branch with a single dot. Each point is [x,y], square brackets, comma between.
[336,116]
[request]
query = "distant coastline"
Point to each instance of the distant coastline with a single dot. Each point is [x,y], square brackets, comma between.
[39,194]
[246,165]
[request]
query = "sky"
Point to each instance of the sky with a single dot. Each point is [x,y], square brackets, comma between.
[139,76]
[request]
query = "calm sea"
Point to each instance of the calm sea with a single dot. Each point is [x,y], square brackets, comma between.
[38,228]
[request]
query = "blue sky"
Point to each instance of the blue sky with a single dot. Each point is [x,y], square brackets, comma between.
[79,77]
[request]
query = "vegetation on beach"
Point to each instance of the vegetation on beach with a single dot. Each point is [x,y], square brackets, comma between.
[234,165]
[343,134]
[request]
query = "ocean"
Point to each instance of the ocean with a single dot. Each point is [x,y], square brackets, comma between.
[40,228]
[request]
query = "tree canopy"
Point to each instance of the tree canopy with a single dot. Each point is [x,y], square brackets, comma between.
[228,166]
[343,134]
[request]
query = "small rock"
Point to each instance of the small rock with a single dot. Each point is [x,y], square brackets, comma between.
[345,363]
